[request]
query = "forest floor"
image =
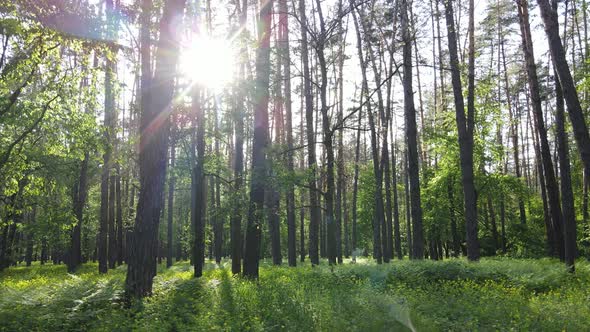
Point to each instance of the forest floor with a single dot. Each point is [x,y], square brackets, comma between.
[494,294]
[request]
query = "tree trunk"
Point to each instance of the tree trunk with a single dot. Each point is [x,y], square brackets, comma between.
[328,141]
[119,217]
[567,196]
[411,137]
[396,225]
[112,228]
[465,126]
[513,128]
[236,219]
[290,193]
[314,219]
[257,182]
[407,203]
[171,185]
[156,99]
[75,252]
[198,191]
[454,232]
[568,85]
[551,183]
[378,219]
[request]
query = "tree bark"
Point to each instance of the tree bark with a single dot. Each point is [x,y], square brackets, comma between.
[567,196]
[551,183]
[171,186]
[257,182]
[290,193]
[314,210]
[75,253]
[156,101]
[568,85]
[411,137]
[112,251]
[465,126]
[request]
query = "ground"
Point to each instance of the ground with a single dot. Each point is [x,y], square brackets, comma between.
[494,294]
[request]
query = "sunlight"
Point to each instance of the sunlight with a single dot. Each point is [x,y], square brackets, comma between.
[208,62]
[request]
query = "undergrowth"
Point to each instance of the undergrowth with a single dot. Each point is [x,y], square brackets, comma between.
[494,294]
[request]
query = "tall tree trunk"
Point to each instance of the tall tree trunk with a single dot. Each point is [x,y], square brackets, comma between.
[357,153]
[378,219]
[513,127]
[551,183]
[396,225]
[340,183]
[156,101]
[465,125]
[257,182]
[236,220]
[568,85]
[290,193]
[273,193]
[328,140]
[411,137]
[314,219]
[109,110]
[302,192]
[567,196]
[198,190]
[218,217]
[384,167]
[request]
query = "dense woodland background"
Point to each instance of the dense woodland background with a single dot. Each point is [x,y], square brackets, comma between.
[381,128]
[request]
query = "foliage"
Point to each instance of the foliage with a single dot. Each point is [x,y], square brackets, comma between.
[501,294]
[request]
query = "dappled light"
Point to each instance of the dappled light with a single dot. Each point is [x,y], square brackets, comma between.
[305,165]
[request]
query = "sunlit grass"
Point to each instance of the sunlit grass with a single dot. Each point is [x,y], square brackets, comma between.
[494,294]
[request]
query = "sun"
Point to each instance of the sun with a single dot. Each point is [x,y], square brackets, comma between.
[208,62]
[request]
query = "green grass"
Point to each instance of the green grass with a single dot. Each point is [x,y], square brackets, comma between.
[494,294]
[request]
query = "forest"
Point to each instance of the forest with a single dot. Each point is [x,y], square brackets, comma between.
[298,165]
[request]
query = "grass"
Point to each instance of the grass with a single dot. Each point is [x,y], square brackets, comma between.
[494,294]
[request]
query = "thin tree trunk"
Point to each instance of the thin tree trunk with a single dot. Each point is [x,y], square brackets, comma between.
[328,141]
[454,232]
[290,193]
[396,225]
[465,126]
[551,183]
[357,152]
[198,191]
[236,220]
[112,222]
[411,137]
[570,94]
[171,187]
[314,210]
[119,217]
[567,196]
[407,203]
[513,127]
[378,219]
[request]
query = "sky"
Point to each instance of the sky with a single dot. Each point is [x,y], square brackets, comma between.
[352,73]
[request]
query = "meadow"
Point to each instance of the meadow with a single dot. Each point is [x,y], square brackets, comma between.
[494,294]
